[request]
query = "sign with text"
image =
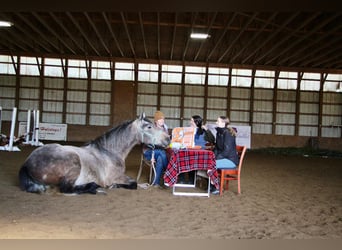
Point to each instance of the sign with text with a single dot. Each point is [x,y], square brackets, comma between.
[243,136]
[48,131]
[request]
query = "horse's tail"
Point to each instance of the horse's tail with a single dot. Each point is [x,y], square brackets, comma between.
[27,183]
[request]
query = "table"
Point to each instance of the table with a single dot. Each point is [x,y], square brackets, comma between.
[186,160]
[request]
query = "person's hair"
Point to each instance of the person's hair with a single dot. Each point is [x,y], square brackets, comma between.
[158,115]
[226,122]
[198,121]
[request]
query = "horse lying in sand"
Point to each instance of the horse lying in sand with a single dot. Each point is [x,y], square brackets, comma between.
[98,164]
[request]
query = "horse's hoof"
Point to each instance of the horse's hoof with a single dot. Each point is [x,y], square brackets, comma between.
[101,191]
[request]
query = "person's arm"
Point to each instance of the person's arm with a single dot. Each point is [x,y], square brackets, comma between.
[208,136]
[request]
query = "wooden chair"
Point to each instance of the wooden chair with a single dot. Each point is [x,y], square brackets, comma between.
[227,175]
[147,163]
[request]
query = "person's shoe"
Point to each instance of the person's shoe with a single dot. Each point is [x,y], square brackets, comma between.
[215,192]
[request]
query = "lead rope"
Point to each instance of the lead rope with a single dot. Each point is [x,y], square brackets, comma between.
[153,166]
[152,158]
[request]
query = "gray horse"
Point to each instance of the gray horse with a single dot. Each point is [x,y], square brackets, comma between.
[98,164]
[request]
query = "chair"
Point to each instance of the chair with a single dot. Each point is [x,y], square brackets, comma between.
[148,163]
[227,175]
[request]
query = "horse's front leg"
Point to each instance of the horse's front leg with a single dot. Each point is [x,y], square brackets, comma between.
[127,182]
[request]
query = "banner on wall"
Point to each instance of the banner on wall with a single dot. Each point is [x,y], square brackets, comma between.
[48,131]
[243,137]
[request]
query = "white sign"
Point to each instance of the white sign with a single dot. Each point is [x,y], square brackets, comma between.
[243,136]
[48,131]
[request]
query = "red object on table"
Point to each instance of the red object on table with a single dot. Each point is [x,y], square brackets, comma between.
[186,160]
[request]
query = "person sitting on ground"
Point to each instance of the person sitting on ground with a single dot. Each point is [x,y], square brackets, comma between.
[160,156]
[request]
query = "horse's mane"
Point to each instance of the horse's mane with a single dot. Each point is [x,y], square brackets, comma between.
[118,132]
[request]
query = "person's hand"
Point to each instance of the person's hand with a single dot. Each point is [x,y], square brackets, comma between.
[204,127]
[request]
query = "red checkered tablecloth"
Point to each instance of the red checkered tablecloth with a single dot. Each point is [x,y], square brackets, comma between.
[189,160]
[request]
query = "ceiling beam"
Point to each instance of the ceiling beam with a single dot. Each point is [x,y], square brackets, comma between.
[222,35]
[208,32]
[257,49]
[112,34]
[60,23]
[252,40]
[318,41]
[30,36]
[97,33]
[194,15]
[231,44]
[84,35]
[330,55]
[158,35]
[285,39]
[34,27]
[173,36]
[12,38]
[143,34]
[300,39]
[127,33]
[61,40]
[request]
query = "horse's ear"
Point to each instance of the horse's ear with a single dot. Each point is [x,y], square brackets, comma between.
[142,116]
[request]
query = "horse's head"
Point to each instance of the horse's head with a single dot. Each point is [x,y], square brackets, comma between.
[150,134]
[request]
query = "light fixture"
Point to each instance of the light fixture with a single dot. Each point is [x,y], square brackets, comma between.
[5,24]
[199,35]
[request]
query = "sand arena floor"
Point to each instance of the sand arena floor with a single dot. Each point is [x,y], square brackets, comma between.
[283,197]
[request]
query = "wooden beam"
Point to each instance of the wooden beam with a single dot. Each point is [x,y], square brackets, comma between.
[237,37]
[84,35]
[257,49]
[127,33]
[143,34]
[97,33]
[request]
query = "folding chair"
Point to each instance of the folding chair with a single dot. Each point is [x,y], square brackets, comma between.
[149,164]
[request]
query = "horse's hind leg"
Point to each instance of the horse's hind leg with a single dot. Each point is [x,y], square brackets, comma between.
[27,183]
[68,188]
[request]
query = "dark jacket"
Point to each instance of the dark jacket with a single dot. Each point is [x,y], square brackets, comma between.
[225,146]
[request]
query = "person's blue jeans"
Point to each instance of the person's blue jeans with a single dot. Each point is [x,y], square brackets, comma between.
[225,164]
[161,162]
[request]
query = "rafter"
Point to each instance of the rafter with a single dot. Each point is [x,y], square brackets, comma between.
[67,31]
[188,37]
[309,47]
[143,34]
[252,40]
[300,39]
[30,35]
[237,37]
[173,36]
[257,49]
[127,33]
[158,35]
[222,35]
[84,35]
[112,33]
[33,27]
[208,32]
[284,40]
[97,32]
[61,40]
